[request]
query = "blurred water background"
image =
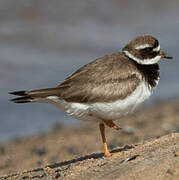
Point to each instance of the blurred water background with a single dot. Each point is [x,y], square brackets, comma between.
[42,41]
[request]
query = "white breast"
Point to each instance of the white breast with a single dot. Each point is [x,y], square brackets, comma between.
[108,111]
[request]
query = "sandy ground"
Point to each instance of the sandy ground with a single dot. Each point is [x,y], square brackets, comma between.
[147,148]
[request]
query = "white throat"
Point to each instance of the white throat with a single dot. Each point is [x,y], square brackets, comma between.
[144,61]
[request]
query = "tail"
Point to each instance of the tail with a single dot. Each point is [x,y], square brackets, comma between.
[32,96]
[24,99]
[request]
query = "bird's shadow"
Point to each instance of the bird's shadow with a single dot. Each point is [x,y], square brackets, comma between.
[90,156]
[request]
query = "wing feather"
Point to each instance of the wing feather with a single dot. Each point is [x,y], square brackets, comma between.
[109,78]
[106,79]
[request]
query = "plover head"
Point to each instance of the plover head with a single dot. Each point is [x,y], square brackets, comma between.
[145,50]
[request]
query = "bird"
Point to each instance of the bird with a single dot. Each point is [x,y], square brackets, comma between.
[107,88]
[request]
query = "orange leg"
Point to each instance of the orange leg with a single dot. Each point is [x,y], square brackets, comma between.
[111,124]
[106,151]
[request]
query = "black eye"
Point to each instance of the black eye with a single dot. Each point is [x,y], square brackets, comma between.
[148,49]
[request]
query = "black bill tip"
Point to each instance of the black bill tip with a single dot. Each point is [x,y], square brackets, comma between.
[168,57]
[165,56]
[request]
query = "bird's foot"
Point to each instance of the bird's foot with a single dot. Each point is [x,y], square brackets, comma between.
[111,154]
[107,154]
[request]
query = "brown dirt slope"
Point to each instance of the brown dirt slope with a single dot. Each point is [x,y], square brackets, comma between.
[148,148]
[156,159]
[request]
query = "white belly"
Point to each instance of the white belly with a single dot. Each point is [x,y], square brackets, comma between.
[115,110]
[107,111]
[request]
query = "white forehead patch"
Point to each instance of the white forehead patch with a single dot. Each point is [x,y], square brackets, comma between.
[157,48]
[143,46]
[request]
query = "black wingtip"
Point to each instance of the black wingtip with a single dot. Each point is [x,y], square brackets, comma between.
[18,102]
[18,93]
[25,99]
